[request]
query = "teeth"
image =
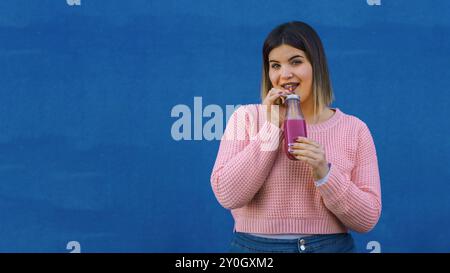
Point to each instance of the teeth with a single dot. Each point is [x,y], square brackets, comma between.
[290,87]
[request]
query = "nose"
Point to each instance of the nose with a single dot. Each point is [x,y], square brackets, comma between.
[286,73]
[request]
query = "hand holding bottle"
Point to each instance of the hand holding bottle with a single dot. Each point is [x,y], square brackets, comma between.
[311,153]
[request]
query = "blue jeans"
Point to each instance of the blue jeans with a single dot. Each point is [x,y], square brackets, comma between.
[326,243]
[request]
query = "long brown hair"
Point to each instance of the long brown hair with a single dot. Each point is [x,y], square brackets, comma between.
[301,36]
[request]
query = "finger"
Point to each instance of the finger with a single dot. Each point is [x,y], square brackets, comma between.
[305,159]
[272,99]
[306,153]
[282,92]
[274,93]
[308,150]
[276,98]
[285,93]
[276,90]
[306,146]
[307,141]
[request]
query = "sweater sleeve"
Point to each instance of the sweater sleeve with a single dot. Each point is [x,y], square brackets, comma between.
[356,200]
[244,159]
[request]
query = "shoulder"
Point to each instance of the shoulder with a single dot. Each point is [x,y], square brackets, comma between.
[246,109]
[244,115]
[353,121]
[357,128]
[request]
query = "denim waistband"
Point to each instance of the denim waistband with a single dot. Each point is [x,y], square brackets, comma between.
[307,238]
[317,243]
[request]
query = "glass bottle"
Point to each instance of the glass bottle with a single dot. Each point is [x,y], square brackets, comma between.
[294,123]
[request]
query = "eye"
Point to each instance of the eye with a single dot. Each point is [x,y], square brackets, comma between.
[296,62]
[275,66]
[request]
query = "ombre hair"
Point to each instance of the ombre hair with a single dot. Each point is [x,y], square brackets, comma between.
[301,36]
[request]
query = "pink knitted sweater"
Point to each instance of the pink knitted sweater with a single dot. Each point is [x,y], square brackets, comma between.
[271,194]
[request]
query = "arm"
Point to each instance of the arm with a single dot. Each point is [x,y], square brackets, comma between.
[356,200]
[244,160]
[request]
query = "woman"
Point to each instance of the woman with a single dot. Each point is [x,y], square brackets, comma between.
[308,204]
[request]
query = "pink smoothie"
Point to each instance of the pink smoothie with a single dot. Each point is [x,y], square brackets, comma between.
[293,128]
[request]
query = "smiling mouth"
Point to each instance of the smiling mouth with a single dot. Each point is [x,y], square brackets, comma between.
[290,86]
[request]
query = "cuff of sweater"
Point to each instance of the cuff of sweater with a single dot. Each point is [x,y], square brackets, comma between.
[270,137]
[335,187]
[325,179]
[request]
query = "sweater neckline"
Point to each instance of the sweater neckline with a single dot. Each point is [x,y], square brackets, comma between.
[326,124]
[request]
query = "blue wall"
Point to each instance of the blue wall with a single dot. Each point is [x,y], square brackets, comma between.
[86,92]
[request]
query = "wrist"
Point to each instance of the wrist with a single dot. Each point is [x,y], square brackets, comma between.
[322,171]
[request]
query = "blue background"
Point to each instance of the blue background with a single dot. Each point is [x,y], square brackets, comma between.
[86,92]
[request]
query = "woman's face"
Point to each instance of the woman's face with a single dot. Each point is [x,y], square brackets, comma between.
[289,69]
